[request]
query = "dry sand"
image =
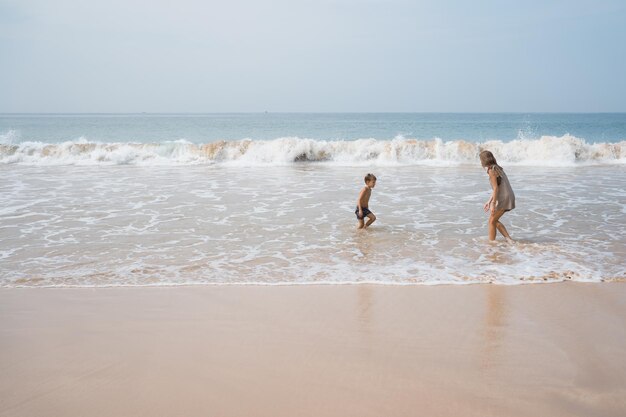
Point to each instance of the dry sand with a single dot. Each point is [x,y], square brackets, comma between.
[479,350]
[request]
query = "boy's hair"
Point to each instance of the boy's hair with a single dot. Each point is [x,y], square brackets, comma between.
[369,177]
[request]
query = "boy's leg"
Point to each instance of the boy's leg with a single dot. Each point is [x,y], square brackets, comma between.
[361,224]
[371,219]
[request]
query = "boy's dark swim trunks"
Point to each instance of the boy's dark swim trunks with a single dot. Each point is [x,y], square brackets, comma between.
[366,211]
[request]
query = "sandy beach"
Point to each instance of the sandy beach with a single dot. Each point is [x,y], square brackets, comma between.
[354,350]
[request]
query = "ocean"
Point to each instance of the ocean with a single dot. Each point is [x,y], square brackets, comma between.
[268,199]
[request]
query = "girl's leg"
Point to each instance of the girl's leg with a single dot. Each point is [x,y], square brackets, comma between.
[494,223]
[503,231]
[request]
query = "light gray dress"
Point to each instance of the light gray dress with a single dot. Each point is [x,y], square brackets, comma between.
[505,200]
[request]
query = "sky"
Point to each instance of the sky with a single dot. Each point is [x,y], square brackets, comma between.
[118,56]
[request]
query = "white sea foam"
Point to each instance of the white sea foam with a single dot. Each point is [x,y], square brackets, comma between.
[291,225]
[547,151]
[9,137]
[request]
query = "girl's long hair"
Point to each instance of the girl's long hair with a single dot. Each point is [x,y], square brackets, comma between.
[488,160]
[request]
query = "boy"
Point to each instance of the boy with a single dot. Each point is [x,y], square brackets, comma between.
[361,204]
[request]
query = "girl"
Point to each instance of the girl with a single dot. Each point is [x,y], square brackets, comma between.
[502,199]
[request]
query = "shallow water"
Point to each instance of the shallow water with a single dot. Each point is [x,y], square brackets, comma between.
[294,224]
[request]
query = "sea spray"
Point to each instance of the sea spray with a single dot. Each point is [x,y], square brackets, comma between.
[564,150]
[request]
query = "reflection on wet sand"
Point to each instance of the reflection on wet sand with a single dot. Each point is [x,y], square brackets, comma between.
[495,325]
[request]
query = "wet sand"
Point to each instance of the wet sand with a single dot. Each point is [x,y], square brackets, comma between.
[355,350]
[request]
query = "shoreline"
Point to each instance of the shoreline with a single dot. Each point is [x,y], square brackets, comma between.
[317,284]
[522,282]
[315,350]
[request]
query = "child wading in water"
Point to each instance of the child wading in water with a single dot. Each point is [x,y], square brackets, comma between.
[362,211]
[502,199]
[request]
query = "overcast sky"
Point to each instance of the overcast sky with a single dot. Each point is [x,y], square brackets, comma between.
[312,55]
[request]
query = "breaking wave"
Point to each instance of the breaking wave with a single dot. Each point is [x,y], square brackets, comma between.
[565,150]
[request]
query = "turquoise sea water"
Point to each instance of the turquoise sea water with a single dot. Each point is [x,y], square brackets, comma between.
[203,128]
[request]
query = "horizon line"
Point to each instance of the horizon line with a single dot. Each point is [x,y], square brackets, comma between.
[312,112]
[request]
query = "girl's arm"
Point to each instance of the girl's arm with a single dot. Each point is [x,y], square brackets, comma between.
[487,204]
[493,179]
